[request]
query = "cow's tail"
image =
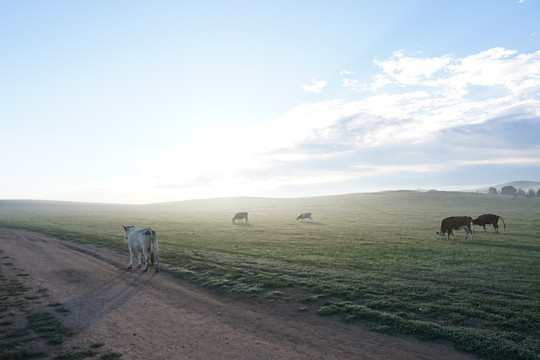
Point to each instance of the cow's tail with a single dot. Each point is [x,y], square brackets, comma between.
[154,255]
[504,224]
[153,247]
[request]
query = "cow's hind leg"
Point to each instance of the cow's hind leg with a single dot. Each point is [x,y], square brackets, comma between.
[139,264]
[145,255]
[130,265]
[145,263]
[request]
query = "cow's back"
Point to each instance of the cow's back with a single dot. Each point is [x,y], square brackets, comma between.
[456,223]
[140,239]
[240,216]
[486,219]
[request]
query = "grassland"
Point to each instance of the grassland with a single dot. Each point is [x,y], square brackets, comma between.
[369,257]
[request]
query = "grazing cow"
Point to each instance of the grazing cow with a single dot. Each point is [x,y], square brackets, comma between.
[240,216]
[142,241]
[456,223]
[303,216]
[491,219]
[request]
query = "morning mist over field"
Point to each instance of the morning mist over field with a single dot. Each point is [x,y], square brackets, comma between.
[136,102]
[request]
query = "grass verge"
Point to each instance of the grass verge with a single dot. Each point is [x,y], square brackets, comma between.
[485,343]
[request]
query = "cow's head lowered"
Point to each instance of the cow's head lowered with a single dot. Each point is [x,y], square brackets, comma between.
[456,223]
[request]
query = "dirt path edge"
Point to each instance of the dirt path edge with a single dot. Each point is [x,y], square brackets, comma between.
[152,315]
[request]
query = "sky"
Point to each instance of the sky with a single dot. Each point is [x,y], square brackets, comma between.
[141,102]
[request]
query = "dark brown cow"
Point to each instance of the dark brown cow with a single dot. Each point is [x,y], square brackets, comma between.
[489,219]
[240,216]
[456,223]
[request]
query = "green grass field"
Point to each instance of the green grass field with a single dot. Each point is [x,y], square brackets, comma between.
[369,257]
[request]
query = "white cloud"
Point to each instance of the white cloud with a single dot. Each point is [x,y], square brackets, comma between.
[409,70]
[432,94]
[409,103]
[353,84]
[452,77]
[316,86]
[504,161]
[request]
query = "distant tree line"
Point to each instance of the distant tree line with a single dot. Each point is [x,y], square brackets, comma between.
[510,190]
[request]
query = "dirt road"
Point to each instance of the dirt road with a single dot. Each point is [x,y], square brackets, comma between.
[153,316]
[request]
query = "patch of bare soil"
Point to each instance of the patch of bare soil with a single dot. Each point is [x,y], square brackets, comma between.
[153,316]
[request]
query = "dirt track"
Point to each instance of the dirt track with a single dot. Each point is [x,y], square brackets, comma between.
[152,316]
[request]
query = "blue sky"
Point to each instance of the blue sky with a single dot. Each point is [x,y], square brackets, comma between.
[151,101]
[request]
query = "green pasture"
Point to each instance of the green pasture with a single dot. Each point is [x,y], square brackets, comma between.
[367,257]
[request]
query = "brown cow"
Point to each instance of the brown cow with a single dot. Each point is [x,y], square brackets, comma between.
[490,219]
[456,223]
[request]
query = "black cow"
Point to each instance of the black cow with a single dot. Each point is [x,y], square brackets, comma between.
[489,219]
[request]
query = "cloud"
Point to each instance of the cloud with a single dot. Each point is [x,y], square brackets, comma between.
[430,118]
[405,70]
[353,84]
[441,105]
[316,86]
[416,113]
[452,77]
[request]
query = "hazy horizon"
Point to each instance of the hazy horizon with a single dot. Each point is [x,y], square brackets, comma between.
[136,102]
[481,189]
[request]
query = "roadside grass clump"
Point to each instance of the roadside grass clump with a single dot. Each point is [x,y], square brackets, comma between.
[313,298]
[58,307]
[92,352]
[76,354]
[13,352]
[273,295]
[377,253]
[12,288]
[48,327]
[111,356]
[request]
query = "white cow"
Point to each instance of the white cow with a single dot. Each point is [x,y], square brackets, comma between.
[142,241]
[303,216]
